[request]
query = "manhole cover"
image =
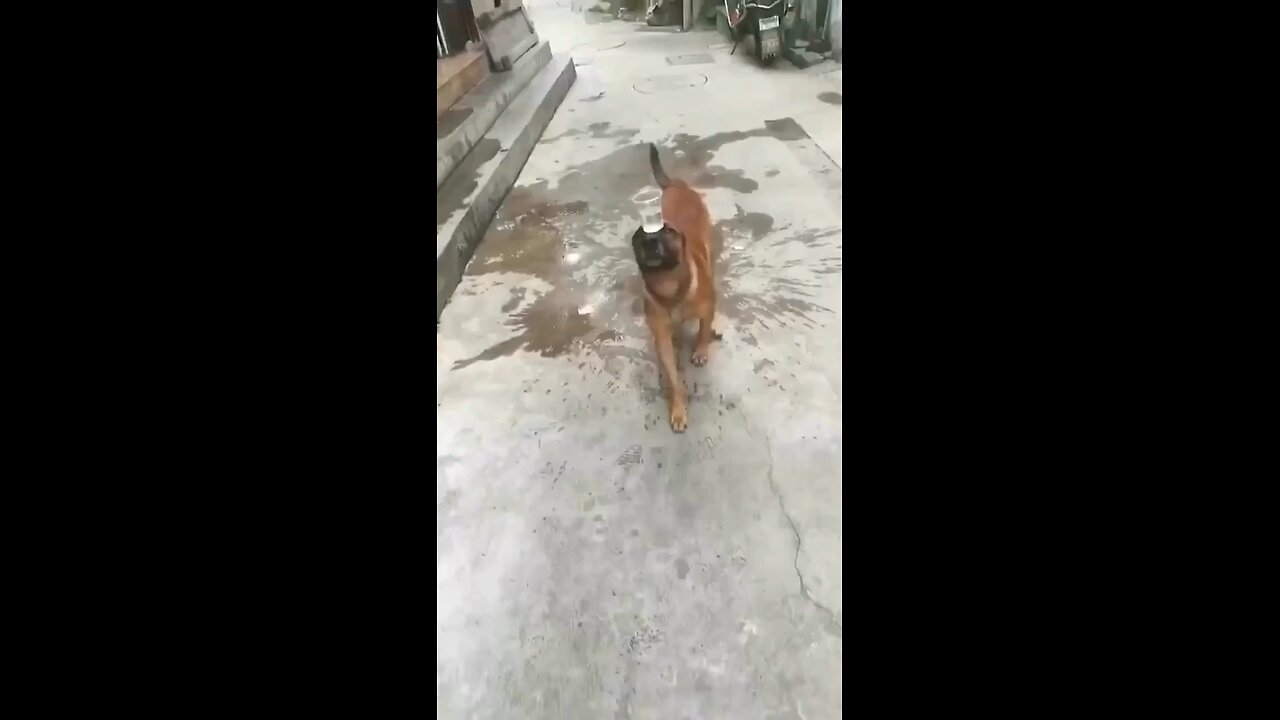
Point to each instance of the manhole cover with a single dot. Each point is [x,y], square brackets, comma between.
[694,59]
[597,46]
[667,83]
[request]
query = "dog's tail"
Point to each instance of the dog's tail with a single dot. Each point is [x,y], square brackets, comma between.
[658,174]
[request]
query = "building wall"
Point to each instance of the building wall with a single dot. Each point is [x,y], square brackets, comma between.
[807,25]
[837,30]
[481,7]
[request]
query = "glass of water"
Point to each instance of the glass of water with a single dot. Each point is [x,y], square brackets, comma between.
[649,202]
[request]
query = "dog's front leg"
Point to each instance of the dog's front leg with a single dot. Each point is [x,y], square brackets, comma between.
[677,401]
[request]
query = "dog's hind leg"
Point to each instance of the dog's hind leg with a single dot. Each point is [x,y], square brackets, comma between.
[702,348]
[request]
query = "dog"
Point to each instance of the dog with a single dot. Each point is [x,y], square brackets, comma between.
[676,267]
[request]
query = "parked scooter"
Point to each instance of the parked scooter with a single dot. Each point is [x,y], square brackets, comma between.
[761,19]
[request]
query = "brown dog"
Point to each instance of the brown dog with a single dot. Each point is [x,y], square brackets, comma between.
[675,264]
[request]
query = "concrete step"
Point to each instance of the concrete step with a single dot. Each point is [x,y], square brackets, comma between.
[471,117]
[465,203]
[456,76]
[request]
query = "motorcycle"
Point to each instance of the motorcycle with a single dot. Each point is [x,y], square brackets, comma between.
[760,19]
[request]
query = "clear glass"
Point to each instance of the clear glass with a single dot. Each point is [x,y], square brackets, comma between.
[649,202]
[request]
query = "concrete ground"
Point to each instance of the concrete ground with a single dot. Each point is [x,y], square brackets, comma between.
[591,563]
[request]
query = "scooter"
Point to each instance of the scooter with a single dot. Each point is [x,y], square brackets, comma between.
[762,20]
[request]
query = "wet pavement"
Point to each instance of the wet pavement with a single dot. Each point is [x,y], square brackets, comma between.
[591,563]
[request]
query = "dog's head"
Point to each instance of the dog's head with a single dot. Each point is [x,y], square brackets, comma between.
[658,251]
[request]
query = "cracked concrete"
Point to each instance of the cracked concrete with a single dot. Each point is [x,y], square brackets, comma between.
[804,590]
[589,562]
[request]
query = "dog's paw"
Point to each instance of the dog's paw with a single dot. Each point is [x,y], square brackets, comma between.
[679,417]
[701,356]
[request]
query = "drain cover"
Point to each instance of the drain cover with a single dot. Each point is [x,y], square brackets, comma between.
[667,83]
[597,46]
[695,59]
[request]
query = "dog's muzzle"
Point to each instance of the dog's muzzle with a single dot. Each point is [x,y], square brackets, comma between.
[651,250]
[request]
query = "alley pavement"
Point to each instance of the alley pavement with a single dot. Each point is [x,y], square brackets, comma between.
[591,563]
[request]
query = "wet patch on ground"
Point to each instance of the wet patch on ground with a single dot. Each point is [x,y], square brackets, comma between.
[563,245]
[597,130]
[832,98]
[574,238]
[693,154]
[759,287]
[517,297]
